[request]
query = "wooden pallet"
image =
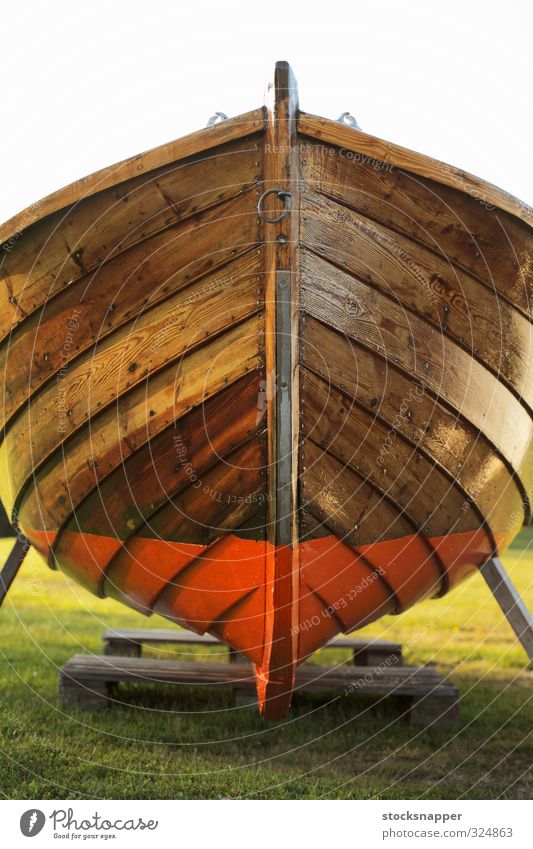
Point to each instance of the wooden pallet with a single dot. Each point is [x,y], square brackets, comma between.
[86,681]
[130,642]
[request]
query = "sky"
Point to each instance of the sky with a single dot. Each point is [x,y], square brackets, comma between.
[87,84]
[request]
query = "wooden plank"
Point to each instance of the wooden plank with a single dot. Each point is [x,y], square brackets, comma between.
[448,222]
[229,493]
[225,499]
[165,465]
[128,357]
[375,529]
[132,220]
[88,311]
[280,172]
[348,505]
[439,365]
[342,136]
[510,601]
[190,145]
[452,302]
[356,437]
[409,411]
[122,429]
[366,652]
[430,699]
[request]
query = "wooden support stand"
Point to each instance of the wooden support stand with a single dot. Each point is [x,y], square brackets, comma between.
[130,641]
[86,680]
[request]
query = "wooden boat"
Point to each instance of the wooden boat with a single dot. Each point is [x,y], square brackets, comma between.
[271,381]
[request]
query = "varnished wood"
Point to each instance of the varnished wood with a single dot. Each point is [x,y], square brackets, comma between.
[281,640]
[198,142]
[338,134]
[269,467]
[488,243]
[455,304]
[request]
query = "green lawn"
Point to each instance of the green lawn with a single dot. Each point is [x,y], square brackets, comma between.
[163,743]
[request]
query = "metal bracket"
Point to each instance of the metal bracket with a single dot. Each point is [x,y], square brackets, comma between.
[349,120]
[217,118]
[283,409]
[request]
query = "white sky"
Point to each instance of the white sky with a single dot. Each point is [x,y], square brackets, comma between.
[86,84]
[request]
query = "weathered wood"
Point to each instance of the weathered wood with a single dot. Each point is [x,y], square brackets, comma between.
[454,304]
[124,428]
[163,467]
[357,438]
[410,412]
[510,601]
[97,305]
[450,223]
[335,133]
[129,641]
[127,358]
[439,707]
[430,699]
[191,145]
[281,615]
[435,361]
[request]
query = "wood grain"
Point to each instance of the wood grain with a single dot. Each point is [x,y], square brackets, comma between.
[95,451]
[409,410]
[489,244]
[356,438]
[455,304]
[187,146]
[127,358]
[217,234]
[341,136]
[420,351]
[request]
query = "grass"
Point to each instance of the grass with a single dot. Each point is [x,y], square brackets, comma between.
[164,743]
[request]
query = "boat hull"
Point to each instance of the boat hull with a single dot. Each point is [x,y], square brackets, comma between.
[270,430]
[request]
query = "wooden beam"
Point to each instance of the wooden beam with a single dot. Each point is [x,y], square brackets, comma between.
[276,676]
[12,565]
[508,597]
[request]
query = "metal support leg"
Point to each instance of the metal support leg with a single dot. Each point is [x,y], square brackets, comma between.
[12,565]
[507,596]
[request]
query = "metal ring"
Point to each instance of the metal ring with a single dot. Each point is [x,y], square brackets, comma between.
[349,120]
[281,194]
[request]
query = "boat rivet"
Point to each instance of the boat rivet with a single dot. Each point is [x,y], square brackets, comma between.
[69,412]
[282,239]
[283,284]
[284,384]
[133,367]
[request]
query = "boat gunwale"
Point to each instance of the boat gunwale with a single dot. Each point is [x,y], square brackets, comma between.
[192,144]
[341,135]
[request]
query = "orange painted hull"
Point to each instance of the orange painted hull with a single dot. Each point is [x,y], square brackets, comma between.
[194,586]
